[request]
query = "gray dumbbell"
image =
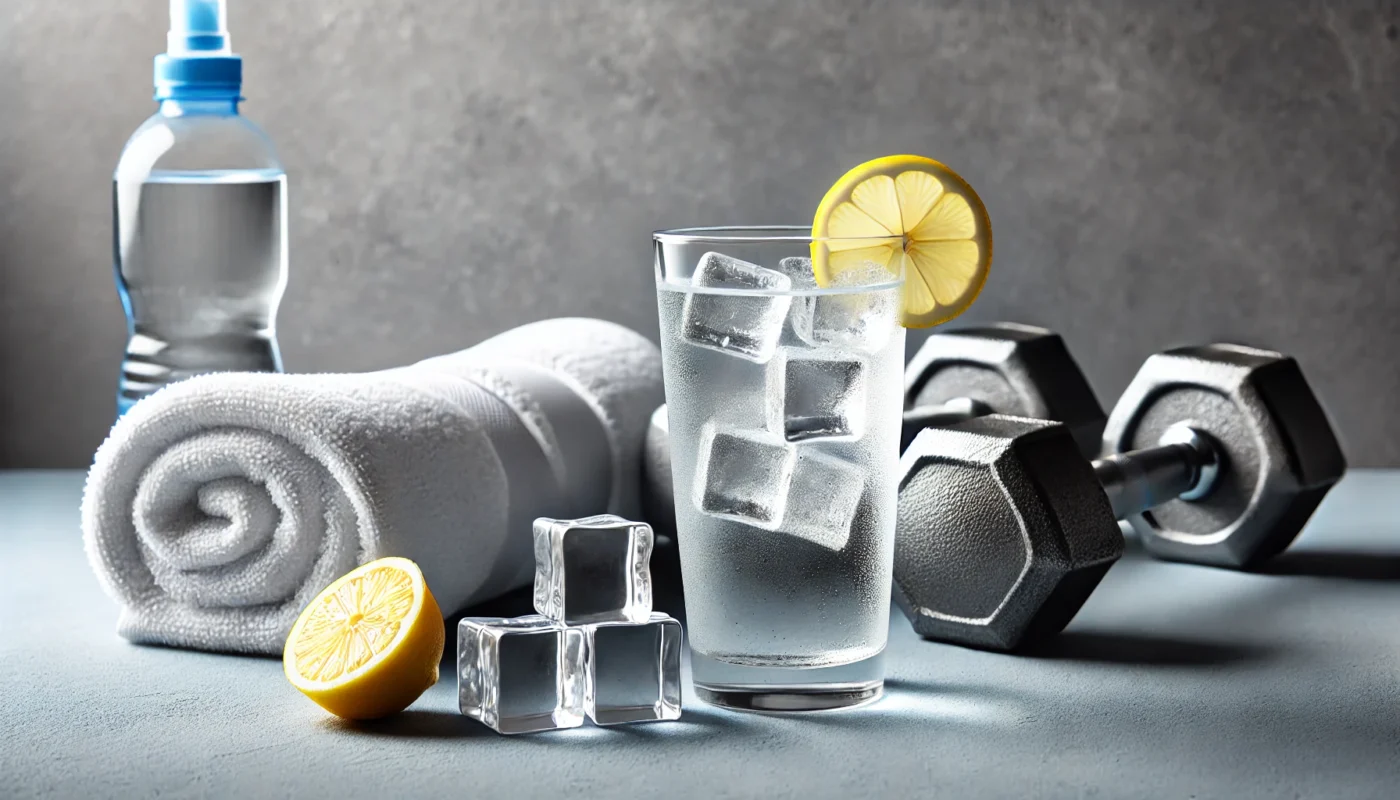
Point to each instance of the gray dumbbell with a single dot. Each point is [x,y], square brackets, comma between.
[1002,368]
[1221,453]
[956,375]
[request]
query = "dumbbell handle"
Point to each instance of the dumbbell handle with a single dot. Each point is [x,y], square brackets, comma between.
[939,415]
[1185,465]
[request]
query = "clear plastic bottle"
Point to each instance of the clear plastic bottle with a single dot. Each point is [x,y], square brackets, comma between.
[199,204]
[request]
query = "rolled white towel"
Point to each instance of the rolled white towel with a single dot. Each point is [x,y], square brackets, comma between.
[219,506]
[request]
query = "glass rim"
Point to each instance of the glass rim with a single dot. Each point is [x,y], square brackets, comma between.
[756,234]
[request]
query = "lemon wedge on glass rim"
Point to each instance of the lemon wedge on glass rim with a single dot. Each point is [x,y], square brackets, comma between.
[936,230]
[369,644]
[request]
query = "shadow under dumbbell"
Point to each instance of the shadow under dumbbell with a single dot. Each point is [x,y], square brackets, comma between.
[1144,649]
[1351,565]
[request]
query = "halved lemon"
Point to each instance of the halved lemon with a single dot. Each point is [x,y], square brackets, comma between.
[935,228]
[369,644]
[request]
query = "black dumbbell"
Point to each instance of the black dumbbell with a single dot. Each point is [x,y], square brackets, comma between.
[1220,455]
[956,375]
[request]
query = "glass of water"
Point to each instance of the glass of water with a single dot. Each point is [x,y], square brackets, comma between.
[784,404]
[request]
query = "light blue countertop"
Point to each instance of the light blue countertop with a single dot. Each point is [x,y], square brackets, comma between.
[1174,681]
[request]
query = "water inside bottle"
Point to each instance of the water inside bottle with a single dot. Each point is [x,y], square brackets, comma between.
[201,262]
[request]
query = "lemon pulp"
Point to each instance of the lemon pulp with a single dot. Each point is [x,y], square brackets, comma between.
[369,644]
[915,217]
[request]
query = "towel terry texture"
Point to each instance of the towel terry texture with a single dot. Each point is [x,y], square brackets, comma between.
[220,506]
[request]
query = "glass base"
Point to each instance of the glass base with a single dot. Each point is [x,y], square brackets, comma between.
[787,689]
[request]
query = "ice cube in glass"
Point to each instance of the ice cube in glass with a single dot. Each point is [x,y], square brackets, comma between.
[826,492]
[745,326]
[798,270]
[854,321]
[816,394]
[743,475]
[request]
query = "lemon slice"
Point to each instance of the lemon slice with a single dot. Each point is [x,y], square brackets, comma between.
[936,233]
[369,644]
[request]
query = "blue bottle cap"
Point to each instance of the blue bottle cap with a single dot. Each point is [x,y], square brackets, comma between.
[198,63]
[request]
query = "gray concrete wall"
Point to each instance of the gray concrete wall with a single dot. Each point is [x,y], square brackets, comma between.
[1158,172]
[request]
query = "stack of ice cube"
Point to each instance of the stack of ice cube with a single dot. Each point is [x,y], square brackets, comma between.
[595,648]
[767,475]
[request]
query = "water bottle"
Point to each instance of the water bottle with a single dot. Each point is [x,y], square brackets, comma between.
[199,204]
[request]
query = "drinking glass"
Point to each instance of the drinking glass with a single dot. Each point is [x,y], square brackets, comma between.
[784,404]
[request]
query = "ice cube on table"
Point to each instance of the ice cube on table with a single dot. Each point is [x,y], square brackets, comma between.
[743,475]
[816,394]
[521,675]
[634,671]
[861,320]
[821,506]
[745,326]
[595,569]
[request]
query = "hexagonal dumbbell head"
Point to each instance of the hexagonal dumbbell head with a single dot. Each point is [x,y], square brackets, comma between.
[1013,369]
[1003,532]
[1280,456]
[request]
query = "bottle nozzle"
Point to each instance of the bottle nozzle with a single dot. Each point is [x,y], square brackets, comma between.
[198,62]
[198,28]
